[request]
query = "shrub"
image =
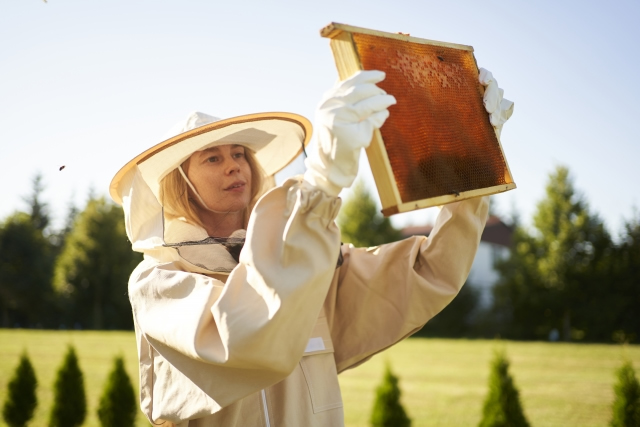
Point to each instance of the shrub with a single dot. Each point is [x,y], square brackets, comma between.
[502,407]
[69,401]
[21,398]
[387,409]
[626,406]
[118,402]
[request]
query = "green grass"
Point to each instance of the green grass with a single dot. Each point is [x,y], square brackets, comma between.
[46,349]
[443,381]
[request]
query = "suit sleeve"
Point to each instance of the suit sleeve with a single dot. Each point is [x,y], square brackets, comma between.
[232,339]
[383,294]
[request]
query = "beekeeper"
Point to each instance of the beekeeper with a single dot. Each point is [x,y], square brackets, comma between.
[251,328]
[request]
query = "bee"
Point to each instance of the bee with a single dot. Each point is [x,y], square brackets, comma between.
[440,58]
[61,167]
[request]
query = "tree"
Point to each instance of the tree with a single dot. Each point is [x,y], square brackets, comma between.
[626,406]
[26,266]
[118,402]
[572,241]
[59,238]
[362,224]
[387,409]
[502,406]
[38,210]
[69,401]
[557,270]
[21,398]
[92,272]
[623,295]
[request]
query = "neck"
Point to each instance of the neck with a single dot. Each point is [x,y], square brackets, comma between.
[221,224]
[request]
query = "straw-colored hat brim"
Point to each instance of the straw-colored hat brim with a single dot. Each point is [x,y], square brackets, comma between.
[276,138]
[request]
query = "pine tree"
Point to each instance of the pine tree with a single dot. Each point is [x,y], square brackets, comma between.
[38,210]
[502,407]
[554,277]
[626,406]
[118,402]
[69,401]
[92,271]
[387,409]
[21,398]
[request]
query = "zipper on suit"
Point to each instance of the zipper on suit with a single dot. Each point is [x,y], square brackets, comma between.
[264,405]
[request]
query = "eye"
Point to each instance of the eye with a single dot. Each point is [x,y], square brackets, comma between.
[237,152]
[212,159]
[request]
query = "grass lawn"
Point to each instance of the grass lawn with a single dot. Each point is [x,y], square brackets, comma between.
[444,382]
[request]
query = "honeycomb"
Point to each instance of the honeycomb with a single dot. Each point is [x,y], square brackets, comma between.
[438,136]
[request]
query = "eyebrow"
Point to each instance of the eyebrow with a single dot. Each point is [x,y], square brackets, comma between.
[210,149]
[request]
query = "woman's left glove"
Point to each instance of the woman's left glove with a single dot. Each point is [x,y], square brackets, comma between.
[345,120]
[500,109]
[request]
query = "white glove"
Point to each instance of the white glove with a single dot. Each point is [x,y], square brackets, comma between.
[500,109]
[345,120]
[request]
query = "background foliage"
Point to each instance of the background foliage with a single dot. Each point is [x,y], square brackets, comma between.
[20,399]
[502,405]
[75,277]
[566,274]
[626,406]
[93,269]
[118,403]
[69,398]
[387,408]
[361,222]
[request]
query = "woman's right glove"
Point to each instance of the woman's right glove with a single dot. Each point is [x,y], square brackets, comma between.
[499,108]
[345,120]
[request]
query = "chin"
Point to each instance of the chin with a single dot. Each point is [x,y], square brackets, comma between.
[233,207]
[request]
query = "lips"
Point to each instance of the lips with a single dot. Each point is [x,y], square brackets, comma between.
[235,186]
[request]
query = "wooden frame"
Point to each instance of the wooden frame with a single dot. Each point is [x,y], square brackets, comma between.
[348,62]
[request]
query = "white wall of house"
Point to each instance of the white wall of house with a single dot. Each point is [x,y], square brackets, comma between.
[482,275]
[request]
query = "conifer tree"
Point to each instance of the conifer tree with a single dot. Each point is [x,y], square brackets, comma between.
[626,406]
[502,407]
[118,402]
[387,409]
[554,270]
[21,398]
[92,271]
[69,401]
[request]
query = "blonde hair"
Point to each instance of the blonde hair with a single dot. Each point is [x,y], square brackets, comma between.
[174,193]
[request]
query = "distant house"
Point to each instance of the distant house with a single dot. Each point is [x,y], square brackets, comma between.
[494,244]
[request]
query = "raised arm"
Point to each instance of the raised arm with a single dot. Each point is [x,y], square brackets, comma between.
[383,294]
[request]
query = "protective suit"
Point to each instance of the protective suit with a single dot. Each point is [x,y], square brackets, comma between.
[260,342]
[268,340]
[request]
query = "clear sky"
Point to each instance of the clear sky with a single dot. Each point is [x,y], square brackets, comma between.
[89,85]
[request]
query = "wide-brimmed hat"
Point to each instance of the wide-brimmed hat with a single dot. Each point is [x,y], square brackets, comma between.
[276,138]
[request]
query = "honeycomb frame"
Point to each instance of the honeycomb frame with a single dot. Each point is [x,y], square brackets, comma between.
[438,145]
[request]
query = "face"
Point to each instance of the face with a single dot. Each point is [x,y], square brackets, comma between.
[222,177]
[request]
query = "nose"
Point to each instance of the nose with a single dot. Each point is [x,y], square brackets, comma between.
[232,166]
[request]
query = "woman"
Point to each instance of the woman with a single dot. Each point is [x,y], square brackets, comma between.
[259,339]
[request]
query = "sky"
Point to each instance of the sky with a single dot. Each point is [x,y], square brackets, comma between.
[89,85]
